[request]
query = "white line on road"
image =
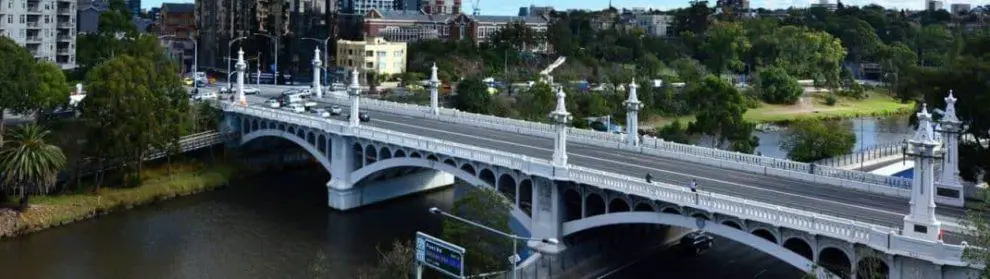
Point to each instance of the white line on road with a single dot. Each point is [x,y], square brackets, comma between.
[947,224]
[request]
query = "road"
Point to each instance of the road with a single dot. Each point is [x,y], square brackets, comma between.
[825,199]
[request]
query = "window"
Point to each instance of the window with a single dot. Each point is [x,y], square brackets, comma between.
[382,54]
[369,53]
[369,65]
[350,52]
[350,63]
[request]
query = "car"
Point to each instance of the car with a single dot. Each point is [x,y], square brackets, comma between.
[250,90]
[696,242]
[273,103]
[309,104]
[321,113]
[187,81]
[206,95]
[298,108]
[364,117]
[335,110]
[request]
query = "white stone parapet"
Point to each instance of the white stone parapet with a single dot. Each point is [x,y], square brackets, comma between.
[884,239]
[851,179]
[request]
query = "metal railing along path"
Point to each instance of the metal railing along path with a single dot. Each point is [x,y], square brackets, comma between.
[871,153]
[878,237]
[875,183]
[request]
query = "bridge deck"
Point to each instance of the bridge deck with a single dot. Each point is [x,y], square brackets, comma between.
[826,199]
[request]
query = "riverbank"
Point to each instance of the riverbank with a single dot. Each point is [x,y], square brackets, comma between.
[814,107]
[56,210]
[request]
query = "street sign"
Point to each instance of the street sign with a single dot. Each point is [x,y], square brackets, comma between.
[440,255]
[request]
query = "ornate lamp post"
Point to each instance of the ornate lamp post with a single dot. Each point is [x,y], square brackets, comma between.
[921,222]
[632,115]
[561,118]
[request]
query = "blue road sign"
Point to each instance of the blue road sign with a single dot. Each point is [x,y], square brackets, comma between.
[440,255]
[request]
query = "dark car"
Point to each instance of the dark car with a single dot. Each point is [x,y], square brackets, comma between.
[364,117]
[696,242]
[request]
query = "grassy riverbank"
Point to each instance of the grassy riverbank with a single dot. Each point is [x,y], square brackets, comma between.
[60,209]
[878,104]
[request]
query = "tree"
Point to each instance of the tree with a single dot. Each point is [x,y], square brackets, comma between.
[723,44]
[394,263]
[694,19]
[537,102]
[935,45]
[489,208]
[472,96]
[130,108]
[116,19]
[675,132]
[978,229]
[812,140]
[53,90]
[689,70]
[720,109]
[18,81]
[30,165]
[809,54]
[775,86]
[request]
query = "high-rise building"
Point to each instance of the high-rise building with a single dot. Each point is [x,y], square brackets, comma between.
[360,7]
[441,7]
[47,28]
[934,5]
[178,20]
[134,6]
[959,8]
[407,5]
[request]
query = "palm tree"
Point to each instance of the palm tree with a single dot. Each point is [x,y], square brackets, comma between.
[28,163]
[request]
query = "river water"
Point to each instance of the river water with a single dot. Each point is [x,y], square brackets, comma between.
[869,131]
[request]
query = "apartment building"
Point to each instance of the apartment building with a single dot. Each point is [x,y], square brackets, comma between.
[372,55]
[441,7]
[410,26]
[47,28]
[179,22]
[360,7]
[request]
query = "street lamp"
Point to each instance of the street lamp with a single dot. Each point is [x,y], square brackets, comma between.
[195,57]
[230,46]
[275,40]
[326,55]
[514,259]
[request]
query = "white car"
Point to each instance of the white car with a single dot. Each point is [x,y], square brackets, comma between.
[322,113]
[309,104]
[206,95]
[296,108]
[273,103]
[336,110]
[251,90]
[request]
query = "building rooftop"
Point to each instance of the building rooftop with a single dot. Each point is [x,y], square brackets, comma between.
[493,18]
[410,15]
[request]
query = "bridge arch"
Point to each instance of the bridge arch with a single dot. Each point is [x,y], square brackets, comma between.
[678,220]
[618,204]
[594,204]
[319,155]
[507,186]
[836,260]
[471,179]
[800,246]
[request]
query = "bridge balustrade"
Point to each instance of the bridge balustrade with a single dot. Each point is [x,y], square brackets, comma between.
[878,237]
[611,140]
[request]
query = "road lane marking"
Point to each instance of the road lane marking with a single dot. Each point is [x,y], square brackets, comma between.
[952,225]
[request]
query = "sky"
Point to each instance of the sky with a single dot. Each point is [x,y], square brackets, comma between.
[511,7]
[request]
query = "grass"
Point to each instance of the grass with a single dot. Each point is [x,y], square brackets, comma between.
[189,178]
[878,104]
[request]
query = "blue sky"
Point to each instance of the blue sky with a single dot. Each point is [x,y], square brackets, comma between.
[511,7]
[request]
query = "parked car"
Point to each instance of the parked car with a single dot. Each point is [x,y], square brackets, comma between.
[696,242]
[364,117]
[273,103]
[336,110]
[322,113]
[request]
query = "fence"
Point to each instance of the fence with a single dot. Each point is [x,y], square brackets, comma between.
[871,153]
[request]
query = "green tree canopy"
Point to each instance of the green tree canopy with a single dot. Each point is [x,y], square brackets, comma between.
[777,87]
[52,90]
[723,44]
[488,207]
[472,96]
[720,112]
[18,82]
[812,140]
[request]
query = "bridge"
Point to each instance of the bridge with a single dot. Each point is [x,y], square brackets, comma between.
[800,213]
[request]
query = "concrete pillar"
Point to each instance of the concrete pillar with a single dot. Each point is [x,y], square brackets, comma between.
[632,115]
[240,66]
[317,85]
[340,191]
[921,222]
[434,87]
[355,96]
[561,118]
[547,216]
[950,127]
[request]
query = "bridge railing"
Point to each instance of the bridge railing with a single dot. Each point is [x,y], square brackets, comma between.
[872,153]
[819,174]
[878,237]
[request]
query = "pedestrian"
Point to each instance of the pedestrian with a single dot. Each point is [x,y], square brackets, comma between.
[694,189]
[649,178]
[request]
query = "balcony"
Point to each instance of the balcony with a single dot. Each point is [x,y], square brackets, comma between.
[33,10]
[64,38]
[33,39]
[65,25]
[65,11]
[64,51]
[33,25]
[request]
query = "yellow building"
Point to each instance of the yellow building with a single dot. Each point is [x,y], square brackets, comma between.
[372,55]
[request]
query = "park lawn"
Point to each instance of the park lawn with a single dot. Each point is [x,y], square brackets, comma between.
[878,104]
[55,210]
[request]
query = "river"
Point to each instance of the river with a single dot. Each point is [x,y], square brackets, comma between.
[869,131]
